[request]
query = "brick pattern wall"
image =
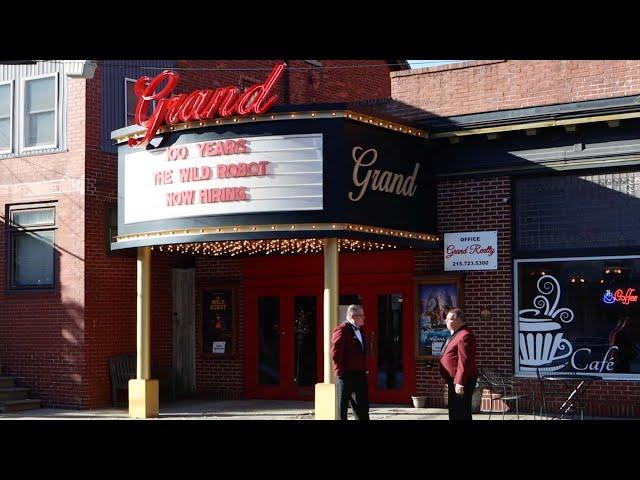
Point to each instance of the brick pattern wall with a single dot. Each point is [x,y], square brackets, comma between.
[478,205]
[219,377]
[481,86]
[332,82]
[42,334]
[329,83]
[475,205]
[110,280]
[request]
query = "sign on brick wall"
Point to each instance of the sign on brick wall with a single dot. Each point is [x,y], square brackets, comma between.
[471,251]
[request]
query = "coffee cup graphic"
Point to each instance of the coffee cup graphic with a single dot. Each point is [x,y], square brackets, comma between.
[540,328]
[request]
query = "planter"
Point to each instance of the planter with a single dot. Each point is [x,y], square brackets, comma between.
[419,402]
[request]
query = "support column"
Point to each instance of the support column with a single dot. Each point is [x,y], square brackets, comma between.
[144,395]
[326,404]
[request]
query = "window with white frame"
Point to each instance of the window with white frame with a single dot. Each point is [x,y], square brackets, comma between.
[6,117]
[579,315]
[30,231]
[40,112]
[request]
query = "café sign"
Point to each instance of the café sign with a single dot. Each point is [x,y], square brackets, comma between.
[471,251]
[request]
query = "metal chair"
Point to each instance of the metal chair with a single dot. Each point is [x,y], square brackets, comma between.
[550,391]
[506,387]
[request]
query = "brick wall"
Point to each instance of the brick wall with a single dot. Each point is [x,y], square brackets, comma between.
[110,280]
[330,83]
[42,334]
[334,83]
[475,205]
[481,86]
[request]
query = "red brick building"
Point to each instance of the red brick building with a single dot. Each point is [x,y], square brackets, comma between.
[518,131]
[57,335]
[540,152]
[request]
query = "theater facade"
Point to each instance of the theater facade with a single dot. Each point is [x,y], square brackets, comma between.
[254,224]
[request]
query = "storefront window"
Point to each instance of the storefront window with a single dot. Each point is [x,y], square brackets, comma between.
[579,315]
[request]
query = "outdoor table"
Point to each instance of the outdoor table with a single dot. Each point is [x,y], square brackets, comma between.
[576,392]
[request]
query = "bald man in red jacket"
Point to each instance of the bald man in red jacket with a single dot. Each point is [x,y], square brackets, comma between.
[458,365]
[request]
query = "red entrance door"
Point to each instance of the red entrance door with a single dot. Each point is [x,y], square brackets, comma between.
[283,312]
[284,348]
[388,309]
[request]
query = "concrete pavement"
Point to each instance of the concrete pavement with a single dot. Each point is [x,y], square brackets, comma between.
[242,410]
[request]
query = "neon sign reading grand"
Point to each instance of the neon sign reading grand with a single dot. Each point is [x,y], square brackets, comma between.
[197,105]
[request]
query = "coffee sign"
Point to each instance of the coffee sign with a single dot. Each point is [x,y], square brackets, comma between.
[471,251]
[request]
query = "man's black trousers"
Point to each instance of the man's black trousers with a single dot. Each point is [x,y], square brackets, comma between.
[352,388]
[460,405]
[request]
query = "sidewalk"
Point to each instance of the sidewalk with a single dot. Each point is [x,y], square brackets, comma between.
[243,410]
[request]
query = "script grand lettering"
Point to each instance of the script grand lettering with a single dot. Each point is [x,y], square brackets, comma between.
[198,105]
[379,180]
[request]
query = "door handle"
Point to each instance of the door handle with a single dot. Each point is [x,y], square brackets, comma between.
[372,343]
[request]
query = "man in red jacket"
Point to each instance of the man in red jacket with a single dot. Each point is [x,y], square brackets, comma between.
[348,352]
[458,365]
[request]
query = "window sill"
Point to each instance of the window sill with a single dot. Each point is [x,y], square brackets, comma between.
[33,153]
[31,291]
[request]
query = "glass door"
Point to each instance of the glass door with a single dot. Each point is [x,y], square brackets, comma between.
[391,366]
[387,346]
[283,357]
[388,337]
[307,342]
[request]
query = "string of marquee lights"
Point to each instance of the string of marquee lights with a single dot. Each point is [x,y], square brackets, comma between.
[355,116]
[278,246]
[306,227]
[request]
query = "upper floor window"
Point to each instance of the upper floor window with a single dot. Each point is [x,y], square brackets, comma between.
[32,117]
[31,230]
[40,112]
[130,102]
[6,117]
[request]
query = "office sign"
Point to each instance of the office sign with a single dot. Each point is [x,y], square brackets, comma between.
[464,251]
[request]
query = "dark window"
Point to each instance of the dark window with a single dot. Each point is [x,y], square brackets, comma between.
[579,315]
[31,235]
[131,101]
[577,212]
